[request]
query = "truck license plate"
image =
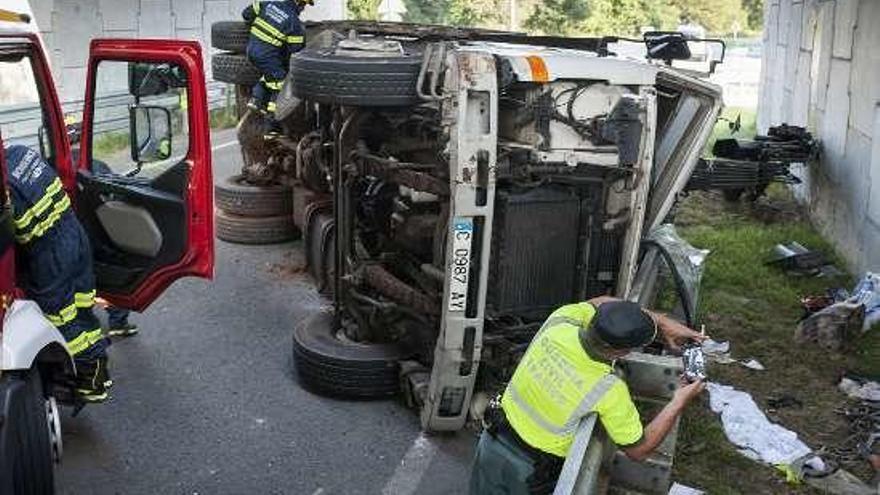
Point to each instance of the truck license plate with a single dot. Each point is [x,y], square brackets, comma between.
[460,268]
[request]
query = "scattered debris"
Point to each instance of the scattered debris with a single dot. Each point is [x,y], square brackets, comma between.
[753,364]
[833,326]
[679,489]
[867,293]
[859,388]
[746,426]
[784,401]
[796,259]
[713,348]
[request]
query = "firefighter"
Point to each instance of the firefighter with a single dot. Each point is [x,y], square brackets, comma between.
[56,258]
[566,374]
[275,34]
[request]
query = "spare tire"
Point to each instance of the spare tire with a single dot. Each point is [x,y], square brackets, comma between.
[327,363]
[325,77]
[235,69]
[254,230]
[231,36]
[234,195]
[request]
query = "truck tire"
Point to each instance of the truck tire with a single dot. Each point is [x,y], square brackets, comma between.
[254,230]
[26,464]
[231,36]
[234,69]
[324,77]
[234,195]
[328,364]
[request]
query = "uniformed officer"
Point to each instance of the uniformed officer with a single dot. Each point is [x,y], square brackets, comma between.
[275,34]
[566,374]
[56,259]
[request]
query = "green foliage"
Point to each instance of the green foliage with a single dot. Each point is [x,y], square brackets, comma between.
[560,17]
[455,12]
[717,16]
[426,11]
[364,9]
[755,13]
[628,17]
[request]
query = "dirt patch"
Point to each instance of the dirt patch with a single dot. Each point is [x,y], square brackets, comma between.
[292,267]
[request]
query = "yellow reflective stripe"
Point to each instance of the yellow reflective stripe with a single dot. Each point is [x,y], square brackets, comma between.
[271,106]
[264,37]
[65,316]
[40,206]
[44,226]
[295,40]
[534,415]
[270,29]
[257,7]
[84,340]
[84,299]
[273,85]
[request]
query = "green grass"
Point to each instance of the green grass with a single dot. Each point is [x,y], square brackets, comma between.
[756,307]
[110,143]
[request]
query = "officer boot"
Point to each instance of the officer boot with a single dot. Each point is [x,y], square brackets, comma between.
[93,380]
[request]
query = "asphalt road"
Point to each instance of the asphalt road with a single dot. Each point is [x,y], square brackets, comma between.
[206,401]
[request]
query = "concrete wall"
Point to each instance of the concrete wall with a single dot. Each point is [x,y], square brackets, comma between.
[67,26]
[821,69]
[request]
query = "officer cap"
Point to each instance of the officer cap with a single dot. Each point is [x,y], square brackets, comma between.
[624,325]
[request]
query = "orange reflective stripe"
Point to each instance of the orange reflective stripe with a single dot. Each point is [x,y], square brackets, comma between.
[539,69]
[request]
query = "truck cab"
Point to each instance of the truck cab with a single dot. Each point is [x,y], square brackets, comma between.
[139,177]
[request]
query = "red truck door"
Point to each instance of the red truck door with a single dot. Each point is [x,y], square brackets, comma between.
[144,186]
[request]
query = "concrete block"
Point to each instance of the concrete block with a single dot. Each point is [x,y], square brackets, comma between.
[793,43]
[834,126]
[73,82]
[810,17]
[874,173]
[42,10]
[845,15]
[822,43]
[75,25]
[236,6]
[188,34]
[187,14]
[870,259]
[801,96]
[784,21]
[865,86]
[855,173]
[155,19]
[785,115]
[119,15]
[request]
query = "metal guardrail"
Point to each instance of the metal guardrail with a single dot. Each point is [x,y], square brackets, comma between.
[21,123]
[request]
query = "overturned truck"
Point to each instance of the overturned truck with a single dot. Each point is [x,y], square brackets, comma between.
[454,187]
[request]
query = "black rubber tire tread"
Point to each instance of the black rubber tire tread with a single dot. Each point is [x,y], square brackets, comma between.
[234,69]
[254,230]
[33,466]
[237,197]
[323,77]
[329,366]
[231,36]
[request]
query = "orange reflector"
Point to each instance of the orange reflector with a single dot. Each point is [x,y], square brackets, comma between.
[539,69]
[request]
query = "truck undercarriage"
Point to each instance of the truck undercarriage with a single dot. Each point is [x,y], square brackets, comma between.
[454,187]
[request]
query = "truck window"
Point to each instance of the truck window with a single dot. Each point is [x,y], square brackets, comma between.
[140,124]
[23,118]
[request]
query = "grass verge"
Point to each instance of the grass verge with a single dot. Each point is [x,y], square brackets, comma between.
[756,307]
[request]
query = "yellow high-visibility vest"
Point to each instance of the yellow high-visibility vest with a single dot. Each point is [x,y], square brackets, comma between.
[556,384]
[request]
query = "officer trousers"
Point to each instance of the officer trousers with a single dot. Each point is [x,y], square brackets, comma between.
[265,92]
[501,467]
[60,279]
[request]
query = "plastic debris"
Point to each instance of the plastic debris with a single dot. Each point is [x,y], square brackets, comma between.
[833,326]
[862,390]
[711,347]
[753,364]
[867,293]
[679,489]
[746,426]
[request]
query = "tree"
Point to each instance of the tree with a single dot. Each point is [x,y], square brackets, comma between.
[628,17]
[755,13]
[560,17]
[717,16]
[426,11]
[364,9]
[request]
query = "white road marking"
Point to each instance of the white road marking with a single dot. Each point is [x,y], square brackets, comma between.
[412,468]
[224,145]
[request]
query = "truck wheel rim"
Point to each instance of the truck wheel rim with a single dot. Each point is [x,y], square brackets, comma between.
[53,418]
